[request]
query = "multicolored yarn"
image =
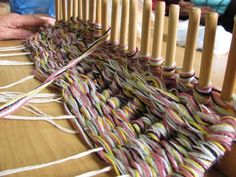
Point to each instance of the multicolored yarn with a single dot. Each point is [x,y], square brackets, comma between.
[130,105]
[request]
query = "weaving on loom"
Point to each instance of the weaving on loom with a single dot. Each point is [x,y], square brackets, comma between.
[141,114]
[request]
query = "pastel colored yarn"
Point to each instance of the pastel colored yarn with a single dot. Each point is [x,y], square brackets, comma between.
[146,126]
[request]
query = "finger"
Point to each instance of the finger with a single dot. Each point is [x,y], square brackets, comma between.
[41,15]
[8,33]
[204,11]
[27,21]
[47,19]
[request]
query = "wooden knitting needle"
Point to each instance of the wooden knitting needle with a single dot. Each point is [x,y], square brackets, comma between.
[124,23]
[64,10]
[57,10]
[98,12]
[92,11]
[75,9]
[114,21]
[133,19]
[104,16]
[189,54]
[172,33]
[80,9]
[230,74]
[85,10]
[158,30]
[146,23]
[70,9]
[208,49]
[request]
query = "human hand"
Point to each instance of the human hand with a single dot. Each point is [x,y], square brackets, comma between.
[185,3]
[46,18]
[204,11]
[185,7]
[15,26]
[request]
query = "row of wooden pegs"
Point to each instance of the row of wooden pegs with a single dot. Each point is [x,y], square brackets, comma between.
[96,11]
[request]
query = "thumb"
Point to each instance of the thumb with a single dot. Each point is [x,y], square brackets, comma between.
[9,33]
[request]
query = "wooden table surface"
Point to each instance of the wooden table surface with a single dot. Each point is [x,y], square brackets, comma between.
[25,143]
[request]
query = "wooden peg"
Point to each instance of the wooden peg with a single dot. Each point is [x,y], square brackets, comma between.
[104,16]
[57,10]
[230,74]
[190,48]
[92,11]
[146,23]
[172,33]
[85,10]
[61,10]
[70,9]
[133,20]
[64,10]
[80,6]
[158,30]
[75,9]
[208,50]
[124,23]
[114,21]
[98,12]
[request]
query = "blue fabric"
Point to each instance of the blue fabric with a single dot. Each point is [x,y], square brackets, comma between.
[217,5]
[33,7]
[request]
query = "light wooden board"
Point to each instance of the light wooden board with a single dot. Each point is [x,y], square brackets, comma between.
[4,8]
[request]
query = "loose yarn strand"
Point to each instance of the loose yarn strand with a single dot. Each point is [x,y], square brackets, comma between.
[50,119]
[17,82]
[95,172]
[34,110]
[14,63]
[37,99]
[40,114]
[14,54]
[11,49]
[15,117]
[16,103]
[66,130]
[33,167]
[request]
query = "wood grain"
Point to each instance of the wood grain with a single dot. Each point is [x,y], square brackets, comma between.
[172,36]
[208,50]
